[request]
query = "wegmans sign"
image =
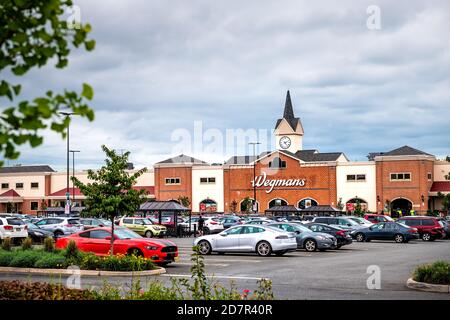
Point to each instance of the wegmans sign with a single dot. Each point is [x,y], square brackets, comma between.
[262,181]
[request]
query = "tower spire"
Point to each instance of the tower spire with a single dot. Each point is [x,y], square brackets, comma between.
[288,110]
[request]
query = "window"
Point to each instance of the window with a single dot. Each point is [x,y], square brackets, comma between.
[252,230]
[236,230]
[34,205]
[427,222]
[210,180]
[173,181]
[19,185]
[34,185]
[99,234]
[356,177]
[429,176]
[128,221]
[277,163]
[5,185]
[404,176]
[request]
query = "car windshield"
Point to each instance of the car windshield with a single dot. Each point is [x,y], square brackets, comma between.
[126,234]
[15,222]
[32,226]
[105,222]
[388,218]
[350,221]
[403,225]
[146,221]
[361,220]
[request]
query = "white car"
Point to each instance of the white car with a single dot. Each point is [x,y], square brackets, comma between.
[60,226]
[211,224]
[364,222]
[14,228]
[261,239]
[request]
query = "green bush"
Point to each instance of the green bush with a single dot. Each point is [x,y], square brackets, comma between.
[115,263]
[6,258]
[49,244]
[25,259]
[6,244]
[27,244]
[51,261]
[436,273]
[17,290]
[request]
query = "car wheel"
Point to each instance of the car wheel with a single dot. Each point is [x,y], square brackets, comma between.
[263,249]
[360,237]
[135,252]
[337,247]
[399,238]
[426,236]
[204,247]
[310,245]
[149,234]
[58,234]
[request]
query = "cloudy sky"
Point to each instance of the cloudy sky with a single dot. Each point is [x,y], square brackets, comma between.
[161,66]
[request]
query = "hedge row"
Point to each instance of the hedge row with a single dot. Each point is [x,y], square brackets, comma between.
[17,290]
[435,273]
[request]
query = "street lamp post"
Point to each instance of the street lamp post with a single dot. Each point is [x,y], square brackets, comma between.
[254,174]
[68,114]
[73,174]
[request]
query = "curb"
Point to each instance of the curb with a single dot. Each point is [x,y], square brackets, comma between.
[422,286]
[92,273]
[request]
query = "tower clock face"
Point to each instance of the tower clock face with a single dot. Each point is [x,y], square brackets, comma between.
[285,142]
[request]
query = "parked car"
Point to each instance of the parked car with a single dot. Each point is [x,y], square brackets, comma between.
[341,222]
[143,226]
[231,221]
[211,224]
[248,238]
[429,228]
[260,221]
[37,234]
[342,236]
[126,241]
[306,238]
[14,228]
[446,225]
[375,218]
[89,223]
[60,226]
[364,222]
[398,232]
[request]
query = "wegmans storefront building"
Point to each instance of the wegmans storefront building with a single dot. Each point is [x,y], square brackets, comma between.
[402,179]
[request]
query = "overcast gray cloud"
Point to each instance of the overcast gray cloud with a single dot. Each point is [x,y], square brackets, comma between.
[161,65]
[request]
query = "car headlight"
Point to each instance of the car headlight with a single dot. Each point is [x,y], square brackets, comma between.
[151,247]
[156,228]
[38,234]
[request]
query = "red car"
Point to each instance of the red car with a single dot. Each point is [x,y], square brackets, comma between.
[376,218]
[97,240]
[429,228]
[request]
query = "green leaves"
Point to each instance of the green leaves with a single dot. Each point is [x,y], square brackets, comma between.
[32,33]
[88,93]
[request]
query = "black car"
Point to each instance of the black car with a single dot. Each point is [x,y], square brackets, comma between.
[398,232]
[343,236]
[37,234]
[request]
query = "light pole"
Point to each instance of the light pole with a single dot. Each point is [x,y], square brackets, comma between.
[68,114]
[254,174]
[73,174]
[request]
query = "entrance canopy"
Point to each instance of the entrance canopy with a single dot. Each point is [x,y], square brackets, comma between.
[440,187]
[282,210]
[10,196]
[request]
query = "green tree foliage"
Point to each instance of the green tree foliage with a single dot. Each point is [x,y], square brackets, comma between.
[247,204]
[233,206]
[32,32]
[111,191]
[184,200]
[447,176]
[340,205]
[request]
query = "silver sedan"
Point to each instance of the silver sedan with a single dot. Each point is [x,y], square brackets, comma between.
[248,238]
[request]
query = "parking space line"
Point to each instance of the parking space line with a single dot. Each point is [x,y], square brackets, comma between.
[212,276]
[208,264]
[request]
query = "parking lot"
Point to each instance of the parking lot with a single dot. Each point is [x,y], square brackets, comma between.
[334,274]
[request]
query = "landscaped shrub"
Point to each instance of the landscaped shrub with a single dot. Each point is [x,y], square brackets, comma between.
[5,258]
[6,244]
[51,261]
[115,263]
[71,252]
[17,290]
[25,259]
[27,244]
[49,244]
[436,273]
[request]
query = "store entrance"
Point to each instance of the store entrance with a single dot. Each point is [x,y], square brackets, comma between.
[400,207]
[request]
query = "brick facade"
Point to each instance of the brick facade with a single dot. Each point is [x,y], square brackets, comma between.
[173,192]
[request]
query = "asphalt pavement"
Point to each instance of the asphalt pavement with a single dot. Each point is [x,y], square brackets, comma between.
[334,274]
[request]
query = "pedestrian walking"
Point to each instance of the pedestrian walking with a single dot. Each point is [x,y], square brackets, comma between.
[200,224]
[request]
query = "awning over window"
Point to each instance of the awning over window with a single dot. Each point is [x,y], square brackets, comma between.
[440,186]
[10,196]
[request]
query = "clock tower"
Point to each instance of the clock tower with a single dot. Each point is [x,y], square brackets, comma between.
[289,130]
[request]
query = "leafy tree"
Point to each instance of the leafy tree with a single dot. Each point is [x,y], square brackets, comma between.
[111,192]
[340,205]
[447,176]
[447,158]
[233,206]
[445,201]
[184,200]
[358,209]
[31,33]
[247,204]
